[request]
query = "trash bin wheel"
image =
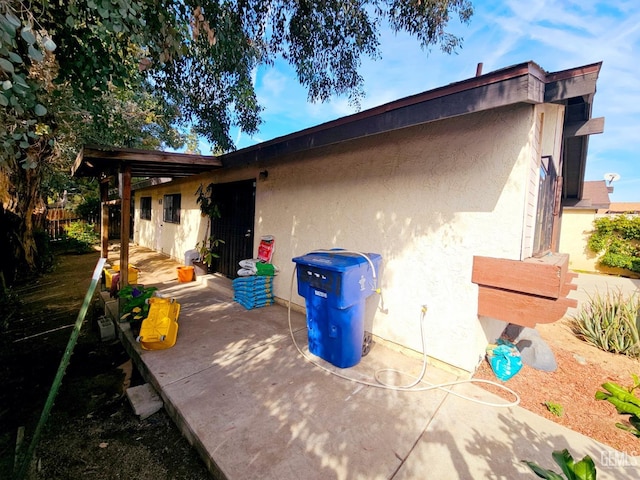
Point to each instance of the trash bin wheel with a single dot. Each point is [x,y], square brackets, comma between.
[367,342]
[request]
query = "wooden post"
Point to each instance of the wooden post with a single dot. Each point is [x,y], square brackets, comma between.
[104,218]
[125,225]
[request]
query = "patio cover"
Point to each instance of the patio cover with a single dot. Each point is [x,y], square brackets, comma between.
[125,163]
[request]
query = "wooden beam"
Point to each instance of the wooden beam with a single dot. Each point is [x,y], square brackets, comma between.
[125,225]
[521,309]
[104,220]
[573,86]
[536,276]
[592,126]
[147,156]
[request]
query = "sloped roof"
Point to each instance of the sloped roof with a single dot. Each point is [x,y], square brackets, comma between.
[101,161]
[595,196]
[624,207]
[522,83]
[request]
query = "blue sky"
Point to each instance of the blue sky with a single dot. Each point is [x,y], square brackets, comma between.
[556,34]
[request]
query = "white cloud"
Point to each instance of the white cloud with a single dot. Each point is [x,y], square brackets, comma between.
[556,35]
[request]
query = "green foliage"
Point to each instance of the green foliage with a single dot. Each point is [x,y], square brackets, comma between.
[626,403]
[610,322]
[131,73]
[82,236]
[555,408]
[205,198]
[585,469]
[89,207]
[136,307]
[618,239]
[207,249]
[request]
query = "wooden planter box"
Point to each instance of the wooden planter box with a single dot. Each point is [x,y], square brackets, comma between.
[524,292]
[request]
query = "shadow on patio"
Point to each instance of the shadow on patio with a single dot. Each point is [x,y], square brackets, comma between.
[242,394]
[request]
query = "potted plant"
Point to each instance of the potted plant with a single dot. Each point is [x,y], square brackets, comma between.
[208,247]
[207,250]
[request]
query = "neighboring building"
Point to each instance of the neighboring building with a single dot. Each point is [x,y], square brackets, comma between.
[619,208]
[457,188]
[577,224]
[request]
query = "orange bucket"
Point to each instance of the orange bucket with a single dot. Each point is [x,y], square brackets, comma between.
[186,274]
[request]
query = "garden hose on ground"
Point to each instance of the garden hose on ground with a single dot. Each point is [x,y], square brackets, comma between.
[414,385]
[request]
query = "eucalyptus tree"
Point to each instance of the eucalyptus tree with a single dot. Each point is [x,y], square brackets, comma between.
[194,57]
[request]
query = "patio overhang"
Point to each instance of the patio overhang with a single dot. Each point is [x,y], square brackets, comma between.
[101,162]
[126,163]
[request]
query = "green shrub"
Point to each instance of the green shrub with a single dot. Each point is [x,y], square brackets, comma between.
[585,469]
[82,236]
[618,240]
[610,322]
[626,403]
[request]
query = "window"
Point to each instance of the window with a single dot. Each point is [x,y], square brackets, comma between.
[171,204]
[145,208]
[546,206]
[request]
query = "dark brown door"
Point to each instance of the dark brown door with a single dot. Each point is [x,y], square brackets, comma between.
[237,203]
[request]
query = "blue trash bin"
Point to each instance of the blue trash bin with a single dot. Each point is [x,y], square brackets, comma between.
[335,286]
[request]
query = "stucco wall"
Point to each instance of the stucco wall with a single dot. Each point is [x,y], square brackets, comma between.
[427,199]
[577,226]
[170,238]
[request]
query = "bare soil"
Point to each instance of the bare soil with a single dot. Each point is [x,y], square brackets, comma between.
[93,433]
[582,369]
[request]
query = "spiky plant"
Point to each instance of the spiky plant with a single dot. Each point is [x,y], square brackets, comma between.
[610,322]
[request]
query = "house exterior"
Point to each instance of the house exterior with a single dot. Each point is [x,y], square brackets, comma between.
[459,189]
[577,224]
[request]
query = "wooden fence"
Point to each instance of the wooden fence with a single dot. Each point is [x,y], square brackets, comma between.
[58,218]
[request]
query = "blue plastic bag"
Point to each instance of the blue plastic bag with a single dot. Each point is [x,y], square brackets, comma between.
[504,359]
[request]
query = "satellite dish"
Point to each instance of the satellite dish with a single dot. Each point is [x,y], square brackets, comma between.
[611,177]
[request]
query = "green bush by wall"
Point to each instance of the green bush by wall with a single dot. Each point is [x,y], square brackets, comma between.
[618,240]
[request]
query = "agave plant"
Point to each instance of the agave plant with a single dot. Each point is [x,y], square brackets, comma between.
[610,322]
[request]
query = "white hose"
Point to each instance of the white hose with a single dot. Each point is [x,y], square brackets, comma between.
[412,387]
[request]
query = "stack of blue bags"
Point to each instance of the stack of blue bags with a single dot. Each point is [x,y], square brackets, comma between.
[253,291]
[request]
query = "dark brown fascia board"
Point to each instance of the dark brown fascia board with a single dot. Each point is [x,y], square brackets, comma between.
[140,155]
[575,82]
[523,83]
[95,160]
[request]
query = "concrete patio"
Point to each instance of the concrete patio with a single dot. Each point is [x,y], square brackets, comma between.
[253,407]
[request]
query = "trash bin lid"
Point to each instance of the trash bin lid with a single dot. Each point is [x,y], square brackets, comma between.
[336,261]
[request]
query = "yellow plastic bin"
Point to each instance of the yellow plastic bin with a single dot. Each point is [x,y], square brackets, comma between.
[110,272]
[159,330]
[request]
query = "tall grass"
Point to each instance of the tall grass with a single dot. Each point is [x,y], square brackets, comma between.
[610,322]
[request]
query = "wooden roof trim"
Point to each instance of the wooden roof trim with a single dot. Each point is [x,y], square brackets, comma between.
[522,83]
[98,160]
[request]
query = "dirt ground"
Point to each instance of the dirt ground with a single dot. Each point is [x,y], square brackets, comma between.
[92,432]
[582,369]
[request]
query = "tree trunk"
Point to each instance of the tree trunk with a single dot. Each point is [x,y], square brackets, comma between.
[22,199]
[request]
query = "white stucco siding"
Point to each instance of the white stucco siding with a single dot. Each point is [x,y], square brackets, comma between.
[577,226]
[172,239]
[427,199]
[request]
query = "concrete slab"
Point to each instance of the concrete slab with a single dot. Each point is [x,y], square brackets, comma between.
[253,407]
[465,441]
[144,400]
[273,415]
